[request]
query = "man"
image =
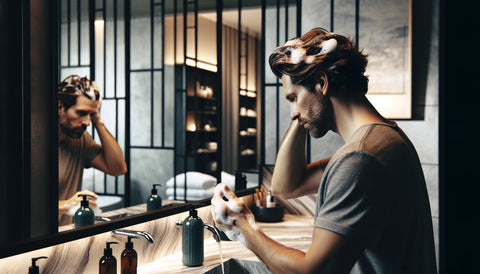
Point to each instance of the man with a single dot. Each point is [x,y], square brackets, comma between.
[372,213]
[79,103]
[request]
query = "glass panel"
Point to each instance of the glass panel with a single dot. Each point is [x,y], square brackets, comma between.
[140,40]
[169,107]
[317,14]
[158,110]
[344,18]
[84,35]
[156,168]
[270,141]
[99,51]
[158,37]
[140,108]
[74,20]
[270,41]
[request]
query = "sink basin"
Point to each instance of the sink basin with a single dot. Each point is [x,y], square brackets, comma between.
[240,266]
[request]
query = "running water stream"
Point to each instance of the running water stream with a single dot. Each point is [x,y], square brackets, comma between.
[221,255]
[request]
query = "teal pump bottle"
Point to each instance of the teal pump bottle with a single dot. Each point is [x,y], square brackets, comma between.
[154,201]
[192,239]
[108,263]
[84,215]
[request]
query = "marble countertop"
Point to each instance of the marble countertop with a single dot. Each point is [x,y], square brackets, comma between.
[294,231]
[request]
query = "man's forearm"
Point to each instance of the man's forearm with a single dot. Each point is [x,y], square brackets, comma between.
[290,163]
[278,258]
[112,152]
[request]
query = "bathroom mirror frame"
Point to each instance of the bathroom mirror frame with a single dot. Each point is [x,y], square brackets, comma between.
[26,242]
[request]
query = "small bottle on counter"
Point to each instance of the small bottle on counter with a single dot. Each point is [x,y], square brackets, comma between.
[128,261]
[154,201]
[84,215]
[270,200]
[192,239]
[34,269]
[108,263]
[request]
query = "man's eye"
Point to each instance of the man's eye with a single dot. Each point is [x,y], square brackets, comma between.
[82,113]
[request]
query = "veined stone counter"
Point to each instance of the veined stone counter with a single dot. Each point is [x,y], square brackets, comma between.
[294,231]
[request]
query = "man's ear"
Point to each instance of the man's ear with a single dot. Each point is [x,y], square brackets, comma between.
[322,84]
[60,108]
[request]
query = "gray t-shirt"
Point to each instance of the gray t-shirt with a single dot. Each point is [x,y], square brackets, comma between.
[373,191]
[73,156]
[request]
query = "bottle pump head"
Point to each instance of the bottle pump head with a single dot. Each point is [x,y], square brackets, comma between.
[154,190]
[34,268]
[193,212]
[84,202]
[108,251]
[129,244]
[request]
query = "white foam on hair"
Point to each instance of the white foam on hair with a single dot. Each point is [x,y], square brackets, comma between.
[328,46]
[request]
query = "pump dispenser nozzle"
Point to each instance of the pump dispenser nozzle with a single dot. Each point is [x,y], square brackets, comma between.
[154,190]
[84,202]
[193,212]
[108,250]
[129,244]
[34,268]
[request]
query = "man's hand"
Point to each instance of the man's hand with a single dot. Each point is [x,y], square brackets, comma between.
[229,213]
[96,118]
[65,205]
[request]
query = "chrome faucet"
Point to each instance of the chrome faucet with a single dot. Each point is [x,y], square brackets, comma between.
[212,229]
[135,234]
[214,232]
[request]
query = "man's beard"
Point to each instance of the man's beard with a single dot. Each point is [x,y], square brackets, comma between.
[74,133]
[322,118]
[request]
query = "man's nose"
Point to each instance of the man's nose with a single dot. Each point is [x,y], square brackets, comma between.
[294,114]
[86,120]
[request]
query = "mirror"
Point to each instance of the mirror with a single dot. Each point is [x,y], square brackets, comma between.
[162,100]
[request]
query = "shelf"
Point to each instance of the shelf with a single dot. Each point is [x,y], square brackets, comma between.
[193,97]
[204,112]
[200,120]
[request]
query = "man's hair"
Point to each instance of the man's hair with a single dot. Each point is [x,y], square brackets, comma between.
[315,52]
[74,85]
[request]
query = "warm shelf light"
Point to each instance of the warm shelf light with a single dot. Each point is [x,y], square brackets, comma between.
[192,127]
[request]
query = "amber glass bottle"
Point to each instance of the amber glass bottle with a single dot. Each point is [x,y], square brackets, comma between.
[128,259]
[108,263]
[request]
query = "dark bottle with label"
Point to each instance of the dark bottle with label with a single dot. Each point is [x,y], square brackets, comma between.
[128,260]
[108,263]
[154,201]
[192,239]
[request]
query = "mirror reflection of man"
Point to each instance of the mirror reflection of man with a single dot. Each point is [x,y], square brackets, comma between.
[79,103]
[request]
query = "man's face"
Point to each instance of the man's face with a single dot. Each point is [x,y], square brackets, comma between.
[312,110]
[75,120]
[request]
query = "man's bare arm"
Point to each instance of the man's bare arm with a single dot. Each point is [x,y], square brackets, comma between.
[329,252]
[292,177]
[110,160]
